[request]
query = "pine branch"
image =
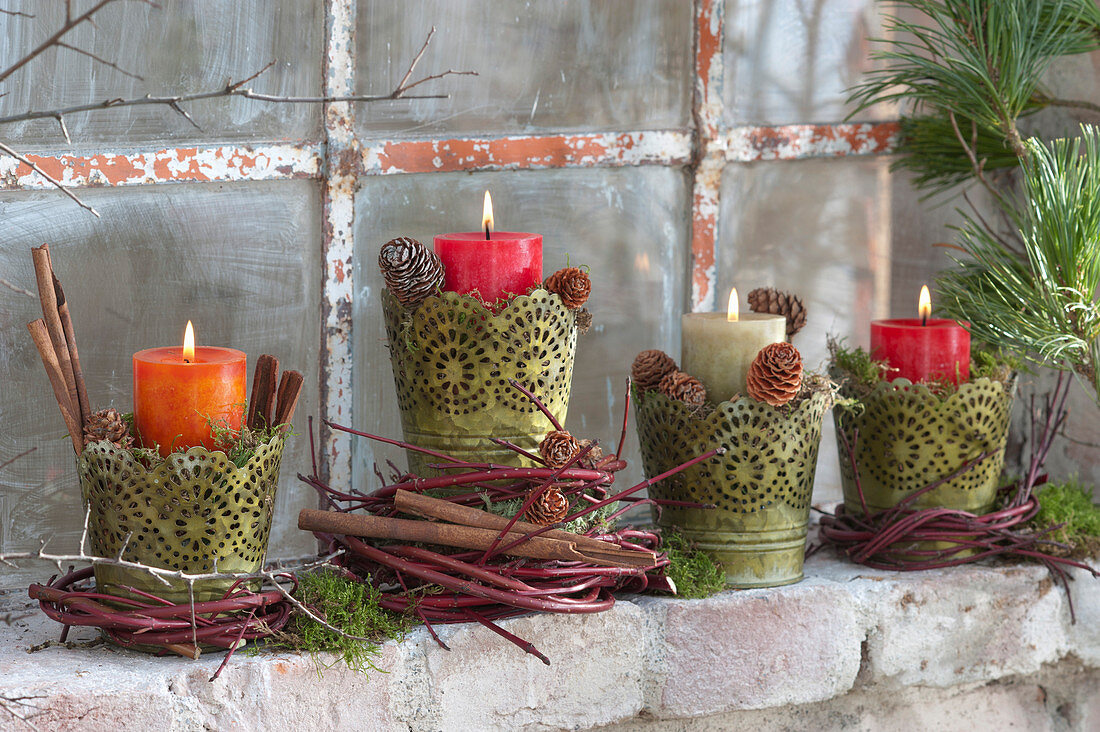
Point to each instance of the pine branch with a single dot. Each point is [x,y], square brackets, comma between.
[1042,304]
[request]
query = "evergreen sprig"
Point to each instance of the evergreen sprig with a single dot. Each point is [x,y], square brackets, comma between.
[971,69]
[1041,303]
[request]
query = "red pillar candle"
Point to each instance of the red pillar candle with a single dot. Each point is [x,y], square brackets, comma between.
[924,348]
[178,395]
[494,265]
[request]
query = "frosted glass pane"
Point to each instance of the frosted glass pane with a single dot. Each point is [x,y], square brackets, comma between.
[239,260]
[183,47]
[629,224]
[819,229]
[790,61]
[543,66]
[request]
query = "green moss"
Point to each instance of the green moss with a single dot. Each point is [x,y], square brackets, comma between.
[693,571]
[348,605]
[1069,503]
[863,372]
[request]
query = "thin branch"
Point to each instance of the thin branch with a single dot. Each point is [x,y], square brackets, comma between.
[1070,103]
[26,452]
[53,181]
[105,62]
[416,59]
[53,40]
[232,89]
[15,13]
[977,166]
[16,288]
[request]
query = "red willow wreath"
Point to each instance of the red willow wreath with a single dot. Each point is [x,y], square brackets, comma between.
[485,585]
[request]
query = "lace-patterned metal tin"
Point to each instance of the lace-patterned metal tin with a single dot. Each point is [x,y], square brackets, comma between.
[761,486]
[909,437]
[194,511]
[452,359]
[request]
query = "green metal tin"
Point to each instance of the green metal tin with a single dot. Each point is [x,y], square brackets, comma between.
[908,437]
[195,512]
[452,359]
[761,486]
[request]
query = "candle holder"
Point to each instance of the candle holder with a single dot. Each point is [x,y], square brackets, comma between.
[194,511]
[902,437]
[452,359]
[760,487]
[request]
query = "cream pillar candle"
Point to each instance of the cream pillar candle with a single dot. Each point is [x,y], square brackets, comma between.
[718,348]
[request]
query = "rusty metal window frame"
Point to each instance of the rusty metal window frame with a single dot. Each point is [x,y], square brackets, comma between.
[704,148]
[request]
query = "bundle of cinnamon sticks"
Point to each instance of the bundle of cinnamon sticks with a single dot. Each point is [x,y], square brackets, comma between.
[471,528]
[56,343]
[269,405]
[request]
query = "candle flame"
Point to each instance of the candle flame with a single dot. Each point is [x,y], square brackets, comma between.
[487,215]
[731,308]
[924,307]
[189,343]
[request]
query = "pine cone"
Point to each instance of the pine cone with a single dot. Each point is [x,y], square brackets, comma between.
[411,270]
[584,320]
[108,424]
[591,457]
[775,375]
[650,367]
[771,300]
[549,508]
[558,448]
[685,387]
[571,284]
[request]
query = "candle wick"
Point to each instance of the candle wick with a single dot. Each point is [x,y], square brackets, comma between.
[487,232]
[924,320]
[187,360]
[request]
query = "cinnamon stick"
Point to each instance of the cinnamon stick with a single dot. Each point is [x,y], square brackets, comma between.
[41,338]
[262,403]
[74,356]
[47,296]
[444,534]
[422,505]
[290,388]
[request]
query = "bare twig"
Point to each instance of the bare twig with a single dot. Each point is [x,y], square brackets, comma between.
[53,181]
[100,59]
[9,703]
[16,288]
[9,461]
[15,13]
[55,39]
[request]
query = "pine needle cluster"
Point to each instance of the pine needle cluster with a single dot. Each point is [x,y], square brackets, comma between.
[1040,302]
[966,72]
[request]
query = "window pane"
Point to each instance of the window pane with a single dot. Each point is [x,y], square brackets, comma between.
[543,66]
[239,260]
[182,47]
[628,224]
[790,61]
[818,229]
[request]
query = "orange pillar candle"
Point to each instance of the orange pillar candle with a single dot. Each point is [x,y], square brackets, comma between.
[180,392]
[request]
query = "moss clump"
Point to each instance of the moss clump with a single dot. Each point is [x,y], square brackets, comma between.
[1070,503]
[693,571]
[861,372]
[347,604]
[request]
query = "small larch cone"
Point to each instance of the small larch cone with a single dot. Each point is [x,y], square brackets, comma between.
[411,270]
[771,300]
[775,375]
[684,387]
[108,424]
[558,448]
[650,367]
[549,508]
[572,285]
